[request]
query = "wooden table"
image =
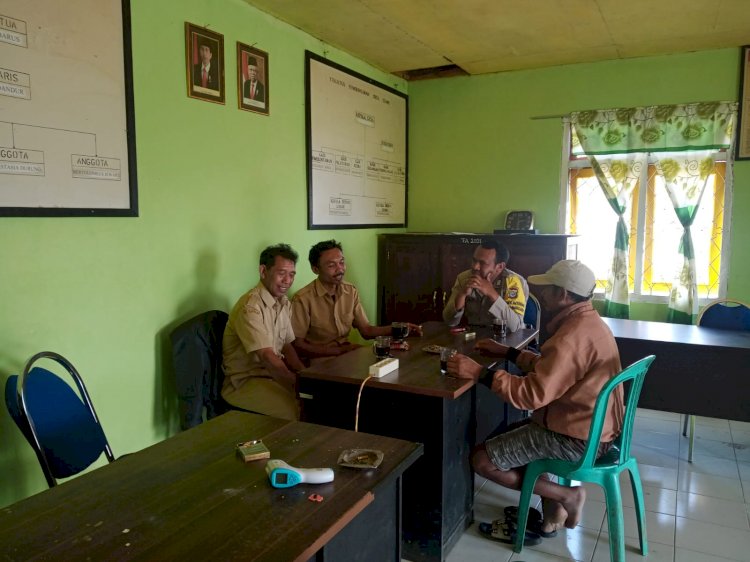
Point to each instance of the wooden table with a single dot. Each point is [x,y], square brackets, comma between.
[416,403]
[698,370]
[191,498]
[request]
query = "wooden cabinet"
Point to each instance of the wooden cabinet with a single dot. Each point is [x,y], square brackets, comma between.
[416,271]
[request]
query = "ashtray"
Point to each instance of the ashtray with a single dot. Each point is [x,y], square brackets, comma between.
[432,348]
[361,458]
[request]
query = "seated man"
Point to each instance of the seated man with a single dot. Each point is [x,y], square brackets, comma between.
[561,386]
[259,360]
[324,311]
[488,290]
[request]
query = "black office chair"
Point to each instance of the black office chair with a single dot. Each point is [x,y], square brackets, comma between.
[196,353]
[61,426]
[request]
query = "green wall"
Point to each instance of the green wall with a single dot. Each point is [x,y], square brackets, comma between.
[475,152]
[217,184]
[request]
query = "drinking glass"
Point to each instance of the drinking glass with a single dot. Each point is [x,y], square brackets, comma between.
[382,347]
[445,354]
[399,331]
[499,329]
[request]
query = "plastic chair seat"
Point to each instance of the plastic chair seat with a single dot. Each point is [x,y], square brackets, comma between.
[605,471]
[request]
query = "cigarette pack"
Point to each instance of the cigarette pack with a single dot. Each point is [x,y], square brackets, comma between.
[253,451]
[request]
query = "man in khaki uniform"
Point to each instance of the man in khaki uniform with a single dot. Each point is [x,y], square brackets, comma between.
[488,290]
[260,363]
[324,311]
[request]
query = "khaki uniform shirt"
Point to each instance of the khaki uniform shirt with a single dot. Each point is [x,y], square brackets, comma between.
[479,309]
[256,322]
[322,319]
[563,383]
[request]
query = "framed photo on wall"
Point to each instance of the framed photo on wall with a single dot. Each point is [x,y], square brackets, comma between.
[204,63]
[252,79]
[743,123]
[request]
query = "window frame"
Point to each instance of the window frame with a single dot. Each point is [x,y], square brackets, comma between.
[568,163]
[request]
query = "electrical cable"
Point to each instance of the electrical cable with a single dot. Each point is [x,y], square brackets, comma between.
[359,396]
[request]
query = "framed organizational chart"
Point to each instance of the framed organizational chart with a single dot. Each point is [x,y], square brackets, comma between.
[356,149]
[67,132]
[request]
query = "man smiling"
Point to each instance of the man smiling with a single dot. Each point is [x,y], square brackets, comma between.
[259,360]
[324,311]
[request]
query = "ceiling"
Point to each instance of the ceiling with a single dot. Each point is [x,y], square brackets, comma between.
[431,38]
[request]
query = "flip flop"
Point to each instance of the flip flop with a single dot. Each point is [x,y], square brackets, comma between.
[505,532]
[534,522]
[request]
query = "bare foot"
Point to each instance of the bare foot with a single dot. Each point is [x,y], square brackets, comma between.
[574,506]
[554,515]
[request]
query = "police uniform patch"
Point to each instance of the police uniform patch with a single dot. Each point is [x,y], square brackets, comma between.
[513,293]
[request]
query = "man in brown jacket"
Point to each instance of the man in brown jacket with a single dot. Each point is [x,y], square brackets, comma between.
[561,388]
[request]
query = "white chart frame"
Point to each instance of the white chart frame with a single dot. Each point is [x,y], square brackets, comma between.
[114,168]
[357,180]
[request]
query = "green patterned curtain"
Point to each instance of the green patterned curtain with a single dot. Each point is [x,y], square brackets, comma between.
[617,143]
[660,128]
[618,176]
[685,177]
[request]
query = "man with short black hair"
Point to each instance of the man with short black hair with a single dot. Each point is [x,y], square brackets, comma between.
[206,72]
[325,310]
[561,387]
[260,363]
[488,291]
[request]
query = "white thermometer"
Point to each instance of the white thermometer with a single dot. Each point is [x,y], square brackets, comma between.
[283,475]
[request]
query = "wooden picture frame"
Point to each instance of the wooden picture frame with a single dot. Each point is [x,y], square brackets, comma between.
[742,143]
[70,150]
[203,45]
[357,149]
[252,95]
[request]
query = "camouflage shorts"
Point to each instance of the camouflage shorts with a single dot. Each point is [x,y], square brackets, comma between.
[531,442]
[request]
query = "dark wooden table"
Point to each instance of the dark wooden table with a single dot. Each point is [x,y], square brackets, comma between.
[191,498]
[698,370]
[415,403]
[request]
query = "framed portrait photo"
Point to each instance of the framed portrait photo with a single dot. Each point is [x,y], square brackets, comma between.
[252,79]
[742,143]
[204,63]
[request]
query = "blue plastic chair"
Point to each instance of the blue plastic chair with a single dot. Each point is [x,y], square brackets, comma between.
[605,471]
[723,314]
[61,426]
[532,314]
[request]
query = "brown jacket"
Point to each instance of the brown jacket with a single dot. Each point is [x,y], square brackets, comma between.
[564,381]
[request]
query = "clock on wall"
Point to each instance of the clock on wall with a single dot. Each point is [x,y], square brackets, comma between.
[519,220]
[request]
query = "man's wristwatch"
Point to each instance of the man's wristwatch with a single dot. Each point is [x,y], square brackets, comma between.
[512,354]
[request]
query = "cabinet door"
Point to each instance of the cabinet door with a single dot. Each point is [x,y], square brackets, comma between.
[455,257]
[409,282]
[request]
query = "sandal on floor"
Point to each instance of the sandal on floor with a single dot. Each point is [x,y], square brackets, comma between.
[534,522]
[505,532]
[535,516]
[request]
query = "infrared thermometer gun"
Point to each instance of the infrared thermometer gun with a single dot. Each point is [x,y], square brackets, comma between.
[282,475]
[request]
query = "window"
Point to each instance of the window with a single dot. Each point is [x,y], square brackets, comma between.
[654,229]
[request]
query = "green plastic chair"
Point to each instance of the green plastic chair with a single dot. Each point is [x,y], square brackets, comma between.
[604,471]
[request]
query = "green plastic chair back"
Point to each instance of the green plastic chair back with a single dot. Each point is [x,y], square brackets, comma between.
[606,470]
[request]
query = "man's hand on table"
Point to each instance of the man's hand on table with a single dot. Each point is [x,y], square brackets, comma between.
[464,367]
[414,329]
[491,348]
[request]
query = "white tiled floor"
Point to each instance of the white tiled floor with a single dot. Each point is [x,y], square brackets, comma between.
[696,512]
